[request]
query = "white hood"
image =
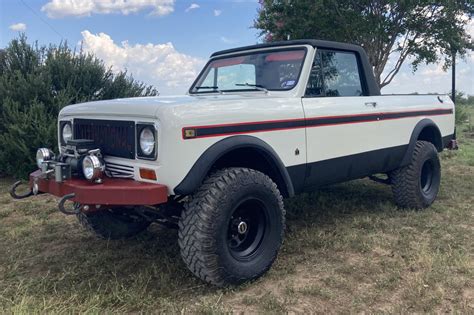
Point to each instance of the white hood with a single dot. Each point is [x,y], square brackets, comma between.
[148,107]
[126,107]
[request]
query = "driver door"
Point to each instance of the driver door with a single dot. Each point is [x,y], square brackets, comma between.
[335,103]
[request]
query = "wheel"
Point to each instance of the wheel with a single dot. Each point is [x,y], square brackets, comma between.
[116,224]
[417,184]
[232,228]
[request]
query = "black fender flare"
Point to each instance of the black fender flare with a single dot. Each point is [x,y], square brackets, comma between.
[422,124]
[202,166]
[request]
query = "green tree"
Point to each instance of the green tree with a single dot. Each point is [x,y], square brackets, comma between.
[420,31]
[463,99]
[35,83]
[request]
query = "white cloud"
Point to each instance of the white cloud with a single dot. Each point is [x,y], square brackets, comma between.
[19,27]
[193,6]
[217,12]
[170,71]
[432,79]
[226,40]
[432,70]
[470,31]
[470,23]
[79,8]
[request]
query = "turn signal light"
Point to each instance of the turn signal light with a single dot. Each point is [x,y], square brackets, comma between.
[147,173]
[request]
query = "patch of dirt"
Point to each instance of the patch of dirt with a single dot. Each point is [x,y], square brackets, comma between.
[278,289]
[290,291]
[468,296]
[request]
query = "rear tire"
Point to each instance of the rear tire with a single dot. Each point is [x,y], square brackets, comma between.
[417,184]
[231,230]
[108,224]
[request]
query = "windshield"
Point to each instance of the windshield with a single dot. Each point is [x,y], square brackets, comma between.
[265,70]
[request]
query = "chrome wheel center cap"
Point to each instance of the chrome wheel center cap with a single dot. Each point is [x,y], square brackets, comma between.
[242,227]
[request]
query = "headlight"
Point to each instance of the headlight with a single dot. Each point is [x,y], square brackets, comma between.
[147,141]
[43,155]
[66,132]
[92,167]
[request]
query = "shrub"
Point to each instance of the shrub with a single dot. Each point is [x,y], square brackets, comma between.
[462,114]
[35,83]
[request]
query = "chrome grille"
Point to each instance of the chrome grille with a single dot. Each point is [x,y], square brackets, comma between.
[118,170]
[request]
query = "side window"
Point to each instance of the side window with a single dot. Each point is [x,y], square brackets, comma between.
[335,74]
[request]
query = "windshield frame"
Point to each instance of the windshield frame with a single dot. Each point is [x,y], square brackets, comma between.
[205,70]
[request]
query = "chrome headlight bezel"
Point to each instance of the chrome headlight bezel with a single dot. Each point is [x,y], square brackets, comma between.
[141,152]
[62,126]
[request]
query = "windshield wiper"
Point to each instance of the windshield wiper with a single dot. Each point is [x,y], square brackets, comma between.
[213,88]
[256,86]
[207,87]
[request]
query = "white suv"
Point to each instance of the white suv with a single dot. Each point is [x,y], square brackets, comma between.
[259,124]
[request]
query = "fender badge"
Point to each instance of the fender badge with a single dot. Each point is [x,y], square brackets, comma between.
[189,133]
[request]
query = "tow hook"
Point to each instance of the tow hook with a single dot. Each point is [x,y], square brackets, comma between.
[15,195]
[75,210]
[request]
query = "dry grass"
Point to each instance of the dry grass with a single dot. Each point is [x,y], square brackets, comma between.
[348,249]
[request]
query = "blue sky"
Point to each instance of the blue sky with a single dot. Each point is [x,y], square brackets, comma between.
[166,42]
[196,32]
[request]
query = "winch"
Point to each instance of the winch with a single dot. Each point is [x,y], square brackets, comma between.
[80,158]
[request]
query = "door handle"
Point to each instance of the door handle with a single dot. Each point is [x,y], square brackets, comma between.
[372,104]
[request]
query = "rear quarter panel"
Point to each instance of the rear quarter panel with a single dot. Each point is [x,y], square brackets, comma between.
[398,131]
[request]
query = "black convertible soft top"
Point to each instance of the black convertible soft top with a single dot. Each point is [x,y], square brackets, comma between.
[312,42]
[372,86]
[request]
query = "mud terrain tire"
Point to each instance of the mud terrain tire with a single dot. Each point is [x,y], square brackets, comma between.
[232,228]
[416,185]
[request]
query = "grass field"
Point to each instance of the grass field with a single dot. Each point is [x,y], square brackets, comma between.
[347,249]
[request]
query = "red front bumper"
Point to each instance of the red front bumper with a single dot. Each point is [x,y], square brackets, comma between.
[113,191]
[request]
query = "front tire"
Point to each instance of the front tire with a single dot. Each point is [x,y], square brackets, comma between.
[231,230]
[417,184]
[113,224]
